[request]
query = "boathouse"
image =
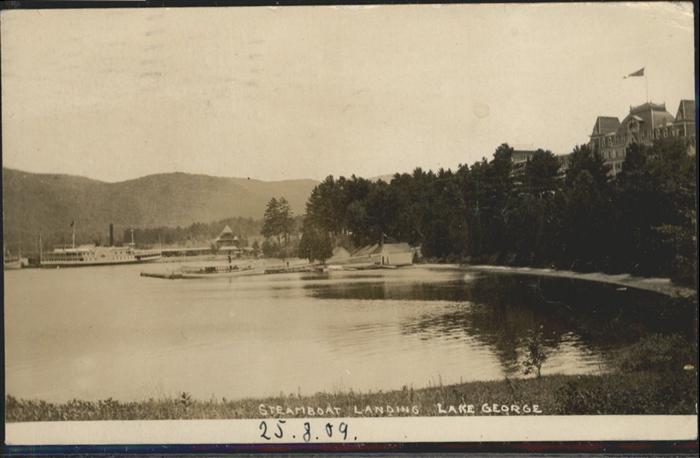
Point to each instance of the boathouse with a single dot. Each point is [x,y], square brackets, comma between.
[388,254]
[394,254]
[385,254]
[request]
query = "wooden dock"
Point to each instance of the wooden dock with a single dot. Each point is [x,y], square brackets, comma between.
[288,270]
[189,272]
[211,270]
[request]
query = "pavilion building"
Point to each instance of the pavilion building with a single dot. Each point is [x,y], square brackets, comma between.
[227,242]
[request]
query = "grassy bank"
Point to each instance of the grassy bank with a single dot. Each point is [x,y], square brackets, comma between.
[618,393]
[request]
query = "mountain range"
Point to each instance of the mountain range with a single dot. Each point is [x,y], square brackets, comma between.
[49,203]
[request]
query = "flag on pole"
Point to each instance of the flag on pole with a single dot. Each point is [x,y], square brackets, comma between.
[639,72]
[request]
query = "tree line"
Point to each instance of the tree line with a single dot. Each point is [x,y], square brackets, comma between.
[538,213]
[280,229]
[195,232]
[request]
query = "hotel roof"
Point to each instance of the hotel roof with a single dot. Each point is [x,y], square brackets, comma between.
[686,111]
[605,125]
[651,115]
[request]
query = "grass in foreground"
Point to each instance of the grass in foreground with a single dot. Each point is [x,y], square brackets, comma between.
[616,393]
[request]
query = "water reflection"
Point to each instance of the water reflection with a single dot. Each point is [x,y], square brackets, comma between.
[94,333]
[500,312]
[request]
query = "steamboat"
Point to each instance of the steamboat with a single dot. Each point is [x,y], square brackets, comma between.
[93,255]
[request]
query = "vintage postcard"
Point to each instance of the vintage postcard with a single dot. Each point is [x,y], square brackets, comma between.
[330,224]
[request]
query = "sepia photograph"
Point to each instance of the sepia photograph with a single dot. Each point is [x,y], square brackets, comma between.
[335,224]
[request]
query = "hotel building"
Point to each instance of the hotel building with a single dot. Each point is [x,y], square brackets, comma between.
[644,124]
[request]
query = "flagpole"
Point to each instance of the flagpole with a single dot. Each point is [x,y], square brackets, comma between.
[646,80]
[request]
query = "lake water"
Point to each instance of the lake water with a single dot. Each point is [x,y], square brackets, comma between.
[98,332]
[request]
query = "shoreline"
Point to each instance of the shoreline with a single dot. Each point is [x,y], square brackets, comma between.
[653,284]
[625,280]
[617,393]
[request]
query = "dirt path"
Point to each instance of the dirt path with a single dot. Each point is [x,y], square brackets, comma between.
[659,285]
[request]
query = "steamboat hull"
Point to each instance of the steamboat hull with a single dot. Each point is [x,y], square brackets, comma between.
[93,263]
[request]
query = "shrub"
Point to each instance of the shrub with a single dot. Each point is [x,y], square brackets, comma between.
[657,352]
[536,353]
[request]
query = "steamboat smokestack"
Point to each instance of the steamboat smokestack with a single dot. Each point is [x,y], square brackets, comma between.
[111,234]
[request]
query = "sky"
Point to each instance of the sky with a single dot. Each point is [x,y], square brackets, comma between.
[304,92]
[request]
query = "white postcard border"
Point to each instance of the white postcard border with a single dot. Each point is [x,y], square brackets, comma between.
[359,430]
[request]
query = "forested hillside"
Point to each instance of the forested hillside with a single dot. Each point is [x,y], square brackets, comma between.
[48,203]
